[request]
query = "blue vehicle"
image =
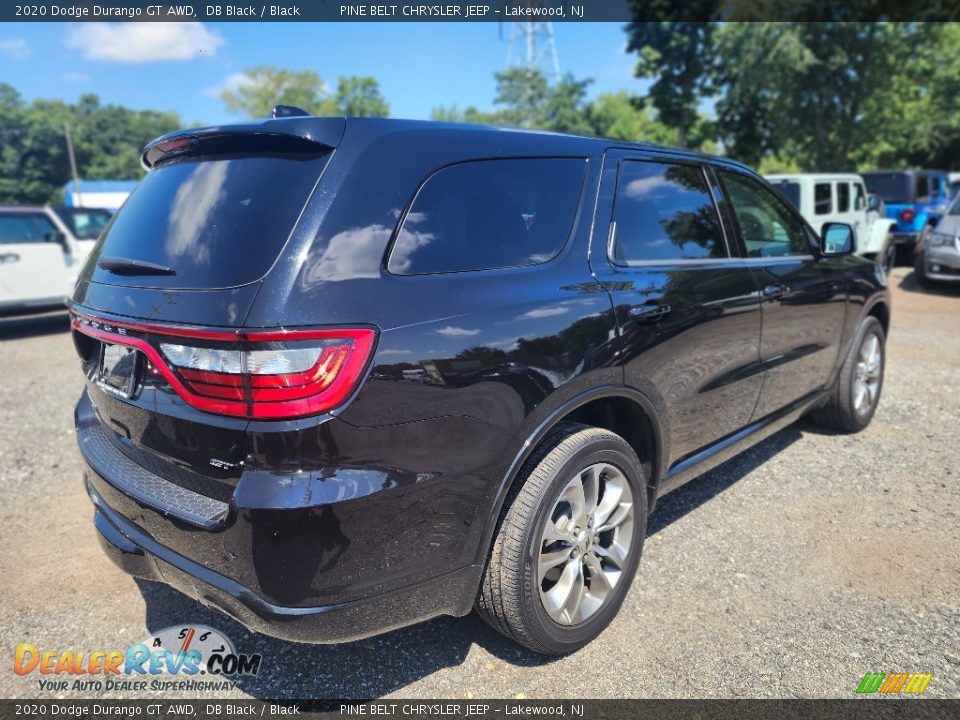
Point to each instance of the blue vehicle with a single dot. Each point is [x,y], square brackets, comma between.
[916,199]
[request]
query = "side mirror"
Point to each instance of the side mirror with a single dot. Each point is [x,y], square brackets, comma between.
[873,202]
[57,237]
[837,239]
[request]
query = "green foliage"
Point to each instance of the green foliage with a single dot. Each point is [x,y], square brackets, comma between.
[107,141]
[264,86]
[680,56]
[813,96]
[360,97]
[621,117]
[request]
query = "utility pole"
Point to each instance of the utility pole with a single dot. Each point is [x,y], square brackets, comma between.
[73,163]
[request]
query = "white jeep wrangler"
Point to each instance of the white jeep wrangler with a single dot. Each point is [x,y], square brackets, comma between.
[836,197]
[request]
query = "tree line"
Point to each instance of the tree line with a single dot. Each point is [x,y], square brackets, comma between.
[789,96]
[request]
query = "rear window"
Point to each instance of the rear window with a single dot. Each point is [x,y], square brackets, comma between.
[217,222]
[894,187]
[489,214]
[664,212]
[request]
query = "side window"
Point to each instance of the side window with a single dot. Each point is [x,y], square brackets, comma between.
[843,197]
[859,197]
[923,189]
[26,228]
[767,226]
[822,199]
[664,212]
[489,214]
[935,182]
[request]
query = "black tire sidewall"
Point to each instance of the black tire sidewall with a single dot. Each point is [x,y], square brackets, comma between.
[561,639]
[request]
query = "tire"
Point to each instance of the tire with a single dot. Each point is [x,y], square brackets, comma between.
[920,269]
[887,257]
[514,594]
[845,410]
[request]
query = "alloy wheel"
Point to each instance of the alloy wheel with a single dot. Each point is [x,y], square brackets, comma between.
[866,381]
[585,544]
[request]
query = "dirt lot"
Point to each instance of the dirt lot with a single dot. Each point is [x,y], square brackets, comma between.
[790,571]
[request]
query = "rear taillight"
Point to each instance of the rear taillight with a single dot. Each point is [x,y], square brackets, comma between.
[907,215]
[277,374]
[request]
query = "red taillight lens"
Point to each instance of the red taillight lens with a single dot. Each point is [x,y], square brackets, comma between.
[907,215]
[263,374]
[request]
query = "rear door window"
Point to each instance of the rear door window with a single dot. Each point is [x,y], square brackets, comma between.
[488,214]
[822,199]
[664,212]
[923,188]
[843,197]
[25,228]
[217,222]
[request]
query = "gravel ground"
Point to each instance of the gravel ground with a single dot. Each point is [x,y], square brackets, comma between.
[789,571]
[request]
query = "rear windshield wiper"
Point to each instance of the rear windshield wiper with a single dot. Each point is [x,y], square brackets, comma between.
[129,266]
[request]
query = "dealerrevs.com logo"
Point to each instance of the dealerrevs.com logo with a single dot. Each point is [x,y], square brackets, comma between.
[184,652]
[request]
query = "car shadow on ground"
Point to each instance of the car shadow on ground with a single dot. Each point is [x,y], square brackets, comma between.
[14,328]
[911,284]
[374,667]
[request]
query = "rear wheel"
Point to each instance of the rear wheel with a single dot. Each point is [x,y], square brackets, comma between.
[857,389]
[569,544]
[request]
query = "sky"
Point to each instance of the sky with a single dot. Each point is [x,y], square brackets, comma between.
[184,66]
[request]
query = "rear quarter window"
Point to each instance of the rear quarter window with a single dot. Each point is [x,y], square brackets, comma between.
[487,214]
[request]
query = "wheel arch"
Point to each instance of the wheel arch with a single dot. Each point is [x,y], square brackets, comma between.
[880,309]
[619,408]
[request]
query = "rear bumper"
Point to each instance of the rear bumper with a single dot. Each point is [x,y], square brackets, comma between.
[135,552]
[905,238]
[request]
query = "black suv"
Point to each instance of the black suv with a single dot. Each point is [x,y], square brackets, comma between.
[347,375]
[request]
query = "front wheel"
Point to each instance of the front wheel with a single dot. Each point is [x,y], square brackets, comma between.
[570,541]
[856,392]
[887,257]
[920,269]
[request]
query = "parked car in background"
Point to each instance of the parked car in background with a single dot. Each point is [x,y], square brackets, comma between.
[833,197]
[915,199]
[938,253]
[41,252]
[954,179]
[597,323]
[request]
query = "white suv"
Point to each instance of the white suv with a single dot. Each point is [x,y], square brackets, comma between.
[836,197]
[42,250]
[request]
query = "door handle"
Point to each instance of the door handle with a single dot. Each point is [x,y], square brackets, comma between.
[777,290]
[648,313]
[9,257]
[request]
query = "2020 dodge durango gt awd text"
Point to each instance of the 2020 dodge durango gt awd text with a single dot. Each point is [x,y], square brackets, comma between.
[347,375]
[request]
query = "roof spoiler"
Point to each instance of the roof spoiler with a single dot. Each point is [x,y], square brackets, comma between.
[292,134]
